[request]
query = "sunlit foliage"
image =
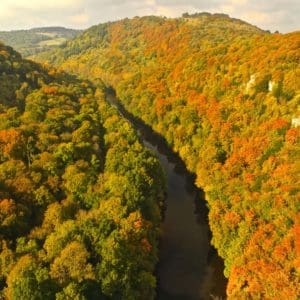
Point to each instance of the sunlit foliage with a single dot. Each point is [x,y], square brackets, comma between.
[223,93]
[79,194]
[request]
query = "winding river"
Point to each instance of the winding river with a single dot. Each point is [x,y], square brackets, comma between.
[189,267]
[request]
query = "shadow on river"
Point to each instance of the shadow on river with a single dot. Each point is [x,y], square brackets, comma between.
[189,267]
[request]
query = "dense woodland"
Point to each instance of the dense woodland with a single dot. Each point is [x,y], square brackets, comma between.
[80,196]
[224,94]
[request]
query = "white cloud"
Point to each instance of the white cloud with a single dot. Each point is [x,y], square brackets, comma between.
[172,11]
[38,4]
[79,19]
[269,14]
[238,2]
[228,8]
[257,17]
[150,2]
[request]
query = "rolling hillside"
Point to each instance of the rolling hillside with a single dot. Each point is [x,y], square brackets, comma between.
[226,96]
[33,41]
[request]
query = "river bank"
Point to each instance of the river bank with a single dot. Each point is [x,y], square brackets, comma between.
[189,267]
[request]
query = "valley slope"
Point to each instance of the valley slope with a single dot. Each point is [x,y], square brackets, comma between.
[226,97]
[80,196]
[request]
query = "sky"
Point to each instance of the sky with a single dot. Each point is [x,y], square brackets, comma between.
[281,15]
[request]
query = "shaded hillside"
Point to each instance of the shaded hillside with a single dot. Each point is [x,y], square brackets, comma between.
[225,95]
[33,41]
[80,196]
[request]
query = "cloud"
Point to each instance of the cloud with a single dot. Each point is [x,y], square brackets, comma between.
[172,11]
[282,15]
[257,17]
[79,19]
[40,5]
[239,2]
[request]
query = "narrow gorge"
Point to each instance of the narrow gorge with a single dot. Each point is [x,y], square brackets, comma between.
[189,267]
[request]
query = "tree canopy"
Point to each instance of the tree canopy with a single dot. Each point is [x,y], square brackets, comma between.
[223,93]
[77,221]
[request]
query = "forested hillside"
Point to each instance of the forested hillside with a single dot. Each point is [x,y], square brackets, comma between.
[33,41]
[225,95]
[80,196]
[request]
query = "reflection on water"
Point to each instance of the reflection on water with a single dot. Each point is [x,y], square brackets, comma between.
[189,268]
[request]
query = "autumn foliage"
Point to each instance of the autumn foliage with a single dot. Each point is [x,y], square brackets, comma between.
[223,93]
[77,221]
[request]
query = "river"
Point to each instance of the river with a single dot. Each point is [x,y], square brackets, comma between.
[189,267]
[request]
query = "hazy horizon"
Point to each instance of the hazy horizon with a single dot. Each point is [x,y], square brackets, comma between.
[79,14]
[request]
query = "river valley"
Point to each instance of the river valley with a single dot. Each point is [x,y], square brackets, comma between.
[189,267]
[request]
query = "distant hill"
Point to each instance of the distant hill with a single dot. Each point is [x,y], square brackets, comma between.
[33,41]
